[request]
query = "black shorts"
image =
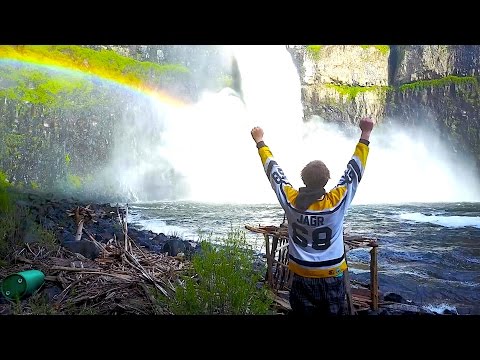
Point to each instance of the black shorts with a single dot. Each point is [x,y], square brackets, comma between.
[318,296]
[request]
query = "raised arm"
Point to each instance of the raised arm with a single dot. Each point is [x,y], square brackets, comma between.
[283,189]
[356,166]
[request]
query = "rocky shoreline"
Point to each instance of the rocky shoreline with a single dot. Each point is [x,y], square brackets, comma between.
[101,273]
[145,267]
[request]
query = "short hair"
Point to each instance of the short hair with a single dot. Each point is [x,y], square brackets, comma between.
[315,174]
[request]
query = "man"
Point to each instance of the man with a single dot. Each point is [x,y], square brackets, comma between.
[315,226]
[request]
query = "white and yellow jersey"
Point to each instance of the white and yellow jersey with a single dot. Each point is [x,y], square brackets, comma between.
[316,246]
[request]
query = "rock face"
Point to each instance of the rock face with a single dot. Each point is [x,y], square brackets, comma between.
[205,62]
[425,62]
[342,83]
[452,110]
[415,85]
[58,134]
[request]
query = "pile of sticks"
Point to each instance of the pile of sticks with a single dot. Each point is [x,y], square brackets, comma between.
[124,279]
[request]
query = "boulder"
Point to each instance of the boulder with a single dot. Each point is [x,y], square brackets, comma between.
[83,247]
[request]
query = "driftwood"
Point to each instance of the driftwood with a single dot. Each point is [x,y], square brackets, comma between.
[81,215]
[123,279]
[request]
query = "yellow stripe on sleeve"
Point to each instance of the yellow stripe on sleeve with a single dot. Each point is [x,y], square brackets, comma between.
[264,153]
[361,151]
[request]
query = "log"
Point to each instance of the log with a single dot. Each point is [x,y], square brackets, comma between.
[269,260]
[348,290]
[374,278]
[404,307]
[78,236]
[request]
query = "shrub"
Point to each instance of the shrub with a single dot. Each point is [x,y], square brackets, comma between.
[223,280]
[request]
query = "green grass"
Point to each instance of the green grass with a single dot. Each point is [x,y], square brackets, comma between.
[16,222]
[223,281]
[39,305]
[448,80]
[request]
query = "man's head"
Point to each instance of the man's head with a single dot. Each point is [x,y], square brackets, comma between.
[315,174]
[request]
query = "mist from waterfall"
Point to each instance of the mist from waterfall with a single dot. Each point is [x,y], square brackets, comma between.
[204,152]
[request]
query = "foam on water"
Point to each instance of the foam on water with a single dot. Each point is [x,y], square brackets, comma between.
[447,221]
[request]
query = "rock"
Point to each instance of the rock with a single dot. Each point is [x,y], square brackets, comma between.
[331,71]
[160,238]
[395,298]
[143,240]
[83,247]
[173,247]
[426,62]
[449,312]
[67,237]
[103,237]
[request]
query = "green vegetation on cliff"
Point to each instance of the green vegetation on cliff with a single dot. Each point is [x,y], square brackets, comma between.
[103,63]
[51,90]
[352,91]
[314,51]
[384,49]
[448,80]
[62,101]
[64,77]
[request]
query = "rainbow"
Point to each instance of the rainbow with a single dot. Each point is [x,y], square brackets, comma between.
[40,56]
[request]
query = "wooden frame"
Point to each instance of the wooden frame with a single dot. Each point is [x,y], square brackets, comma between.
[279,277]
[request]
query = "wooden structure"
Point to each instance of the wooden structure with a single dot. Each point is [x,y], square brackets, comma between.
[279,277]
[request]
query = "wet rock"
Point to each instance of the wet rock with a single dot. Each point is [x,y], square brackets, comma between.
[83,247]
[160,238]
[103,237]
[67,237]
[395,298]
[449,312]
[174,246]
[143,240]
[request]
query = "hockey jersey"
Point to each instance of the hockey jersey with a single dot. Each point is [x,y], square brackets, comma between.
[316,247]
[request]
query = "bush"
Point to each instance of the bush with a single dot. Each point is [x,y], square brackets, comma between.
[7,227]
[223,281]
[16,222]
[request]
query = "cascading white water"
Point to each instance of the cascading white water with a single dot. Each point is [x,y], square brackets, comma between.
[210,146]
[210,143]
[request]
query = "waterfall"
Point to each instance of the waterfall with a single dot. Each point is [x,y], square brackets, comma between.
[208,150]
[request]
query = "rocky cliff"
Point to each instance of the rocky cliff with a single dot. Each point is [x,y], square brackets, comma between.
[418,85]
[426,62]
[57,131]
[206,63]
[342,83]
[64,109]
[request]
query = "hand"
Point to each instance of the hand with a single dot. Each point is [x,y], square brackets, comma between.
[257,134]
[366,124]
